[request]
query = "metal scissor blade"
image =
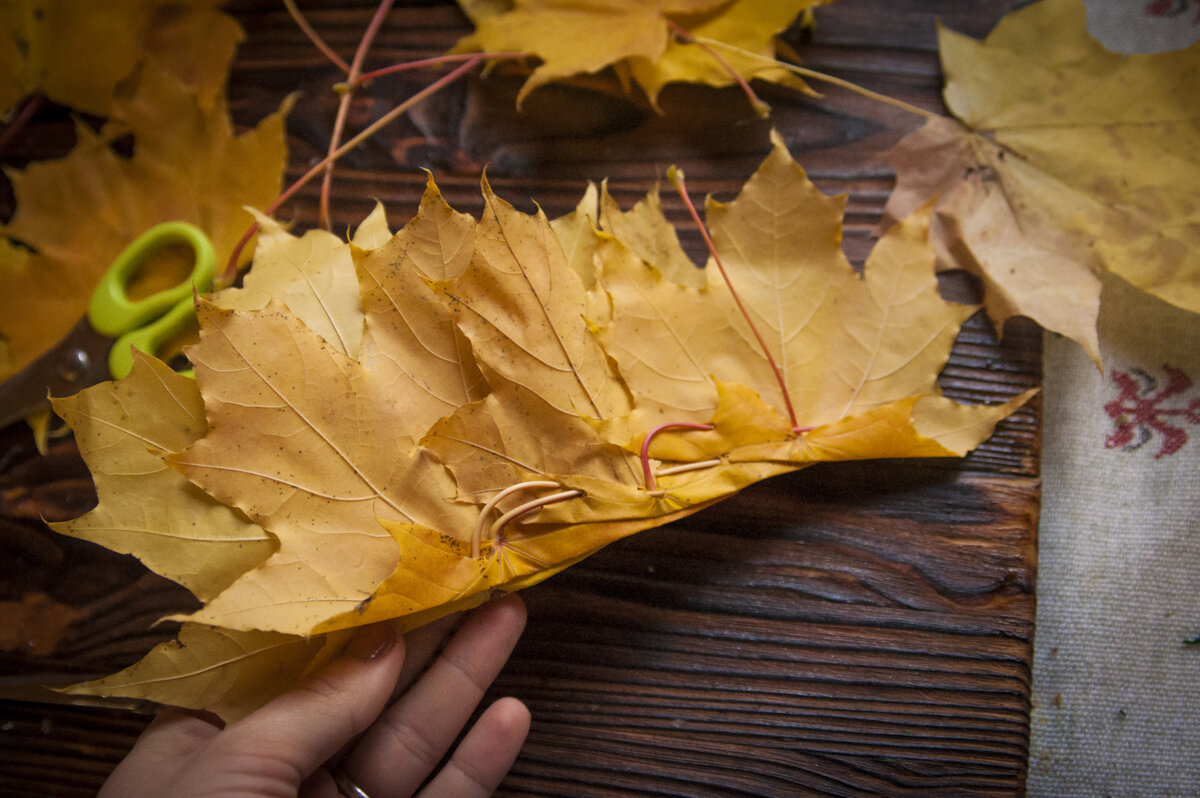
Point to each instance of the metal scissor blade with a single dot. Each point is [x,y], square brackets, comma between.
[78,360]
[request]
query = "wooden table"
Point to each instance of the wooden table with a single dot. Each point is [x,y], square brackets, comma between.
[850,629]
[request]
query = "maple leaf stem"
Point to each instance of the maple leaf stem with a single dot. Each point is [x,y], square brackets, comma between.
[647,473]
[677,180]
[314,37]
[477,534]
[761,108]
[324,220]
[530,506]
[339,123]
[231,268]
[685,467]
[420,63]
[805,72]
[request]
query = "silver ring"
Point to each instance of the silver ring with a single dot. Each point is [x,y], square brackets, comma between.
[345,785]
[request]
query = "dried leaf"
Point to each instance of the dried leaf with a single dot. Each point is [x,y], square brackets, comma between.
[306,443]
[1074,160]
[845,345]
[146,508]
[514,435]
[412,345]
[576,234]
[1021,276]
[76,54]
[312,275]
[637,38]
[374,231]
[520,304]
[222,671]
[644,229]
[750,26]
[521,476]
[667,338]
[77,213]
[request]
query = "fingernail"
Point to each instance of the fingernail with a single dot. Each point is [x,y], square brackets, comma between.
[372,642]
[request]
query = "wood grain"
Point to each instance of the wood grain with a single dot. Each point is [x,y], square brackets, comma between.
[847,630]
[851,629]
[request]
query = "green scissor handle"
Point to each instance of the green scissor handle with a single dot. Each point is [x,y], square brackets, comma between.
[149,323]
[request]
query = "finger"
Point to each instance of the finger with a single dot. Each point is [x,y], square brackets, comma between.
[485,755]
[161,751]
[400,750]
[290,737]
[320,785]
[420,648]
[177,733]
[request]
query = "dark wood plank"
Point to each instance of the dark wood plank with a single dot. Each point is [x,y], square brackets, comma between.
[851,629]
[842,630]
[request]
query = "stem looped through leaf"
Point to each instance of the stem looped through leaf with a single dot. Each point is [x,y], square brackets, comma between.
[683,468]
[647,473]
[528,507]
[498,525]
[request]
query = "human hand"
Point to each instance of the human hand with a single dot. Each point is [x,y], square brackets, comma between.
[285,748]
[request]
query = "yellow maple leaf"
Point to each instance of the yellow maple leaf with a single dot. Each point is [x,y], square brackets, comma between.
[222,671]
[645,231]
[78,212]
[411,343]
[846,346]
[76,54]
[312,275]
[574,232]
[519,302]
[309,444]
[147,508]
[639,39]
[522,475]
[747,27]
[1070,160]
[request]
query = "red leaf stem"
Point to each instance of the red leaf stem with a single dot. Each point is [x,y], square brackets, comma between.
[647,474]
[231,267]
[343,110]
[314,37]
[676,178]
[428,62]
[760,108]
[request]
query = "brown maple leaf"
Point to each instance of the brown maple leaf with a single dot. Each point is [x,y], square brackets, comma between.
[1069,160]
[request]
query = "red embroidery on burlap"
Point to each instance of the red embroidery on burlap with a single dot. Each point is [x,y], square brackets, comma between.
[1170,8]
[1142,408]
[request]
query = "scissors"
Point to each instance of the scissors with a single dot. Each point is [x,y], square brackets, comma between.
[98,347]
